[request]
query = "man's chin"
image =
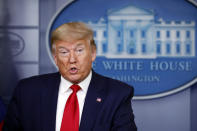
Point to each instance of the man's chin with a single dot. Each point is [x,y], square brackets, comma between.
[75,80]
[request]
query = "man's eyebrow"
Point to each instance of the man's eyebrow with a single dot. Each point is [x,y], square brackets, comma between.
[79,44]
[61,47]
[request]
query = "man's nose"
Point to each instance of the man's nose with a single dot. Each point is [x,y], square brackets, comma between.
[73,57]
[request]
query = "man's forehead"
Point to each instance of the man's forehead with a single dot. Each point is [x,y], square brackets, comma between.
[75,43]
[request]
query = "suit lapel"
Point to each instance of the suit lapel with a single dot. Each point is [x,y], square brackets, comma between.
[49,102]
[93,102]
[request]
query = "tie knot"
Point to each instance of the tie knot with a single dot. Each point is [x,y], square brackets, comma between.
[75,88]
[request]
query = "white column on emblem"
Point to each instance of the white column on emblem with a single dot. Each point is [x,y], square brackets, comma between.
[138,44]
[99,39]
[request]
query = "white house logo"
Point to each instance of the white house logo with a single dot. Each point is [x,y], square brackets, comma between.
[155,55]
[14,41]
[132,32]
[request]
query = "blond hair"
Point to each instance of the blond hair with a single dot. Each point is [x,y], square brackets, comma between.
[72,31]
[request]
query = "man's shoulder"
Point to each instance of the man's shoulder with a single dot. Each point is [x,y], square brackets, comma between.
[38,81]
[41,77]
[112,84]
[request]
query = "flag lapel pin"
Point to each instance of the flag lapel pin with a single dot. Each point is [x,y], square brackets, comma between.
[98,99]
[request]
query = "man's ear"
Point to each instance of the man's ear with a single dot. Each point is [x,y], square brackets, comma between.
[93,53]
[54,57]
[53,51]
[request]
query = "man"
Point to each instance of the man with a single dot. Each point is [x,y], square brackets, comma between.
[74,99]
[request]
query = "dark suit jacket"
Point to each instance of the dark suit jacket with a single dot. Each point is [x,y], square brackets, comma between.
[2,111]
[33,106]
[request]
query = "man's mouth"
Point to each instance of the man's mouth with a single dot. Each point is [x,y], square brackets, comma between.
[73,70]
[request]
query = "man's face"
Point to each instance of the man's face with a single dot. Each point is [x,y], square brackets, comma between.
[74,59]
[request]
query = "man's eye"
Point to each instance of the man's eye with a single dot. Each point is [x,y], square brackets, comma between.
[63,52]
[80,50]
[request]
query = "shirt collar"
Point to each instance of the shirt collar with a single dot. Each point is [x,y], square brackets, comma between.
[65,84]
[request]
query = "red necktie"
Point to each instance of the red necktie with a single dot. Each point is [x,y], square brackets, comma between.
[70,120]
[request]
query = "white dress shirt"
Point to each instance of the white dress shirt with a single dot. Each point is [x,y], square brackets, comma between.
[64,93]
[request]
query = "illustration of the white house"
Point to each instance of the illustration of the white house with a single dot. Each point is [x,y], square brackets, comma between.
[132,32]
